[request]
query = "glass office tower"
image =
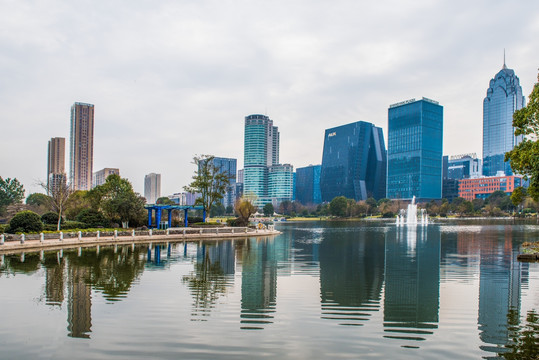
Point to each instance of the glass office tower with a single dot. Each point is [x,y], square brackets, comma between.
[504,97]
[228,167]
[353,162]
[414,158]
[308,185]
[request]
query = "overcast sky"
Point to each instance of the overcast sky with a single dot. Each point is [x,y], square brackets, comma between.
[171,79]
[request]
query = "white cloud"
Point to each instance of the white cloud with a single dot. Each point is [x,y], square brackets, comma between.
[172,79]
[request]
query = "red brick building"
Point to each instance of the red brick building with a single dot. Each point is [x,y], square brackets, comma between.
[481,188]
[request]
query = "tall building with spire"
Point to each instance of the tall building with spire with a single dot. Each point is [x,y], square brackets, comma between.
[81,147]
[504,97]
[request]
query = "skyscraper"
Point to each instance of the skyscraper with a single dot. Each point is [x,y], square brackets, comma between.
[415,130]
[261,152]
[152,187]
[280,183]
[228,167]
[81,146]
[504,97]
[308,185]
[56,162]
[353,162]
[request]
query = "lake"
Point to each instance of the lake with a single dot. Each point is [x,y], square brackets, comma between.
[453,289]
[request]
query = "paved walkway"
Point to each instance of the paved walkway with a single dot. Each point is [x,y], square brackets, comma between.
[53,244]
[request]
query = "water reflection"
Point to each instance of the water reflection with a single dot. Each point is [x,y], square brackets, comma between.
[412,283]
[212,276]
[351,276]
[500,282]
[258,283]
[391,281]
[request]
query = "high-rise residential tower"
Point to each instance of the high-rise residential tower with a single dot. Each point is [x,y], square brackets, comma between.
[56,162]
[353,162]
[504,97]
[414,150]
[81,147]
[152,187]
[260,153]
[100,177]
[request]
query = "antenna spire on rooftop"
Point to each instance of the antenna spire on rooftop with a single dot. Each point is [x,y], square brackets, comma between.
[504,66]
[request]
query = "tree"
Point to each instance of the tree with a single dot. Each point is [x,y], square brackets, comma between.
[92,218]
[11,192]
[25,221]
[38,199]
[338,206]
[244,208]
[117,200]
[524,156]
[518,196]
[268,209]
[58,192]
[217,210]
[49,218]
[163,200]
[209,181]
[77,202]
[371,202]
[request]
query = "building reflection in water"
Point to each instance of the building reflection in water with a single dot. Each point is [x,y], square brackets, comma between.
[212,276]
[258,283]
[500,280]
[54,280]
[412,283]
[111,271]
[79,302]
[351,276]
[260,262]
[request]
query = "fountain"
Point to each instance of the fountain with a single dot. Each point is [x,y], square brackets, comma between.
[409,217]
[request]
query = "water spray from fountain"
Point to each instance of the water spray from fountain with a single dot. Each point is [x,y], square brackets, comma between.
[409,216]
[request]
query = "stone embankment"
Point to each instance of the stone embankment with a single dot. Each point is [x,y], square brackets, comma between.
[25,242]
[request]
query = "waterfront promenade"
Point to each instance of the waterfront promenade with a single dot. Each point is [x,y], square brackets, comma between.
[31,242]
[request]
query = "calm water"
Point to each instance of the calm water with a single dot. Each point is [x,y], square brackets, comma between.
[319,290]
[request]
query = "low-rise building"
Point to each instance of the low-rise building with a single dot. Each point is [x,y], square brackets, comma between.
[481,188]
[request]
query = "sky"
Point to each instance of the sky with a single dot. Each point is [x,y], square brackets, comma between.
[173,79]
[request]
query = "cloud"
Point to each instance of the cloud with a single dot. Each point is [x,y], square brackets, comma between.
[176,78]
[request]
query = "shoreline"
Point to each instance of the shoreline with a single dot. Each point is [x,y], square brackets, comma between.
[10,247]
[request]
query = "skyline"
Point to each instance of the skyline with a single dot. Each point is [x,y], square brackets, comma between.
[158,75]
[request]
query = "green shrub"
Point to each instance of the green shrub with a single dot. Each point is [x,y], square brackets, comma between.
[71,225]
[231,222]
[25,221]
[209,224]
[194,219]
[3,228]
[50,218]
[92,218]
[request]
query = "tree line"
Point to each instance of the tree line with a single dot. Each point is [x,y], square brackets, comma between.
[112,204]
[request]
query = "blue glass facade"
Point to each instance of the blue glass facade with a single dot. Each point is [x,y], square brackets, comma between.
[504,97]
[353,162]
[463,167]
[414,158]
[308,185]
[229,167]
